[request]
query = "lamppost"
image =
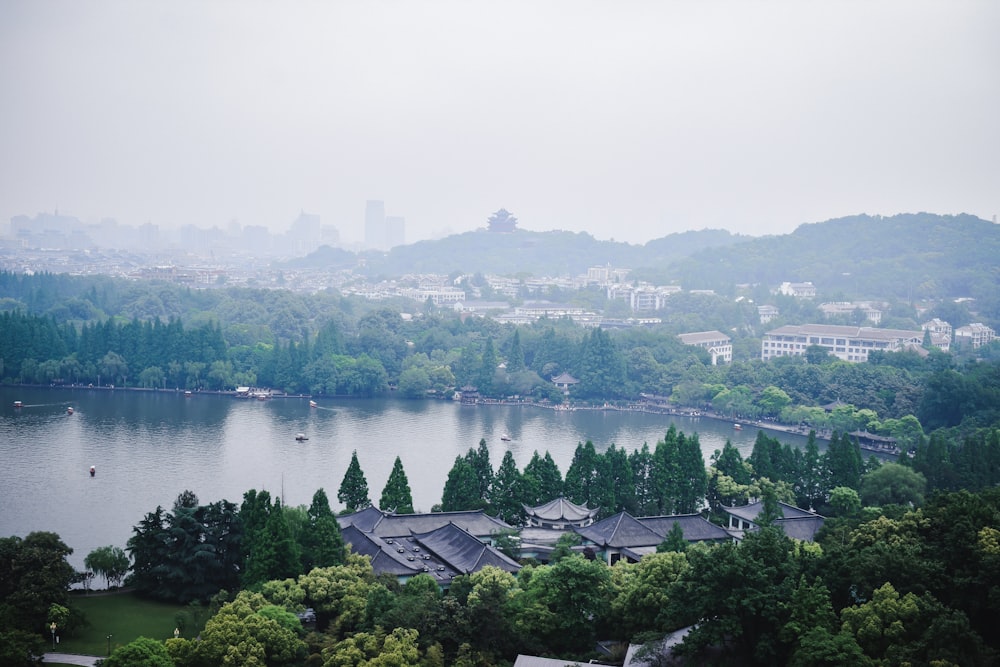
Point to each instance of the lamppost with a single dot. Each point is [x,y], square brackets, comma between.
[177,633]
[109,644]
[52,627]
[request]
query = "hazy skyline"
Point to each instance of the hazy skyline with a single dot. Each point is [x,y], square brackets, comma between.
[628,120]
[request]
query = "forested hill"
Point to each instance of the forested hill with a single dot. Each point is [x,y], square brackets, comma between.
[536,253]
[907,256]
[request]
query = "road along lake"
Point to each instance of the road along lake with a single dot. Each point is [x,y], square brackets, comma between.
[147,447]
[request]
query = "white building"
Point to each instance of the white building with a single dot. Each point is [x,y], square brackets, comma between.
[767,313]
[872,312]
[718,344]
[804,290]
[975,335]
[941,333]
[848,343]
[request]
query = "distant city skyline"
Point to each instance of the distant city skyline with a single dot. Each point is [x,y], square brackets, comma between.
[629,121]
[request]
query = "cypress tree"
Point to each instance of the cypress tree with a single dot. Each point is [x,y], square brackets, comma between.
[353,492]
[322,543]
[506,497]
[461,490]
[396,496]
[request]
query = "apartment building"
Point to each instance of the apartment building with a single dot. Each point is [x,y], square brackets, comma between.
[718,344]
[849,343]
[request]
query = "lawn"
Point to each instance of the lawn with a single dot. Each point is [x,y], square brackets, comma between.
[124,616]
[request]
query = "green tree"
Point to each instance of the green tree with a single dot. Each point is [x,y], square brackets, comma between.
[560,603]
[893,484]
[506,496]
[110,562]
[322,543]
[845,501]
[479,459]
[461,489]
[738,595]
[140,652]
[515,358]
[641,592]
[396,496]
[239,634]
[353,492]
[542,479]
[34,575]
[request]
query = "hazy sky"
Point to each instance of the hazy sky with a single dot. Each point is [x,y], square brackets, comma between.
[629,120]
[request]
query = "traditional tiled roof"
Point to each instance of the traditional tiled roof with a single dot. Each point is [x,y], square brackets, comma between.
[462,551]
[561,509]
[801,528]
[750,512]
[564,378]
[397,558]
[696,528]
[365,519]
[536,661]
[384,524]
[620,530]
[795,521]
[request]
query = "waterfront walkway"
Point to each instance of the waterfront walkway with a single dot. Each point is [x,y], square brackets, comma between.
[71,659]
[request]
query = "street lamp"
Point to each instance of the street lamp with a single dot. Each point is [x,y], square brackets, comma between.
[52,627]
[109,644]
[177,633]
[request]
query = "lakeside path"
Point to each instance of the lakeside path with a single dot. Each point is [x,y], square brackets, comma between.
[71,659]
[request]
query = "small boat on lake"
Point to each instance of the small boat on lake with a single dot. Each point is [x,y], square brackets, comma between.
[69,411]
[738,427]
[312,404]
[93,470]
[301,437]
[18,404]
[505,437]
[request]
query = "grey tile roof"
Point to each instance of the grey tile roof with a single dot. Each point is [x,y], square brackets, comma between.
[696,528]
[384,524]
[750,512]
[796,522]
[560,509]
[395,557]
[535,661]
[620,530]
[462,551]
[801,528]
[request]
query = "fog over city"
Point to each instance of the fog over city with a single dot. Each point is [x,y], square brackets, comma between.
[628,120]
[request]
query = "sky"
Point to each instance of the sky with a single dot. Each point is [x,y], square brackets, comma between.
[629,120]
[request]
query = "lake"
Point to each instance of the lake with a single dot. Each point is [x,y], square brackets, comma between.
[147,447]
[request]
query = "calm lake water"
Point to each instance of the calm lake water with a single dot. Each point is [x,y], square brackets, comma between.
[149,446]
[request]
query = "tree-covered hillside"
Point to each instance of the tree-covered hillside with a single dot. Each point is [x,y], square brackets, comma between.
[907,256]
[535,253]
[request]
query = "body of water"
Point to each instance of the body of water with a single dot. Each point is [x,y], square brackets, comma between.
[147,447]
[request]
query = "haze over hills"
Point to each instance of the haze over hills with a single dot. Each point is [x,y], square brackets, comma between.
[905,256]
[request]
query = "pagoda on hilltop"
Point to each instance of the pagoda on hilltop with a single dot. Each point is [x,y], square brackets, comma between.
[502,221]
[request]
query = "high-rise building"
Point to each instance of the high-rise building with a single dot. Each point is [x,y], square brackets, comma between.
[375,230]
[395,231]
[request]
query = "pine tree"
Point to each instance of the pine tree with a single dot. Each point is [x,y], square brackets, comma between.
[396,496]
[353,492]
[461,490]
[692,477]
[515,360]
[506,497]
[487,369]
[581,474]
[479,459]
[542,479]
[322,544]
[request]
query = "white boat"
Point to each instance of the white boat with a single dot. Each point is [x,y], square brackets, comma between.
[312,404]
[69,411]
[505,437]
[301,437]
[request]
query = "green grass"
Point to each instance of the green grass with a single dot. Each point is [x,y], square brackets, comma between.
[124,616]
